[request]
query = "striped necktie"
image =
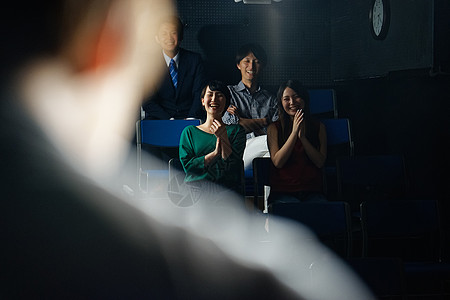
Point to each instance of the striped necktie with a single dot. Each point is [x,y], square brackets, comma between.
[173,72]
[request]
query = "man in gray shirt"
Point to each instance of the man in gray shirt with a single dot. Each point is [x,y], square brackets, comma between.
[251,106]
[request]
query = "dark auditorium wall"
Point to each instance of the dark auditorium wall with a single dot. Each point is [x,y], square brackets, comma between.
[408,44]
[395,91]
[294,33]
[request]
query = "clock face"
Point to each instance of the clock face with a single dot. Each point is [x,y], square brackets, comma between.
[377,16]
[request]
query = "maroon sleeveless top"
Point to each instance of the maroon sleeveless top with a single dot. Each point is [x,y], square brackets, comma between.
[298,173]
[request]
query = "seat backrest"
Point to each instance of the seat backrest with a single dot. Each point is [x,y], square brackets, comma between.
[339,140]
[323,102]
[162,133]
[154,135]
[329,220]
[368,177]
[385,276]
[372,169]
[339,143]
[261,176]
[408,228]
[338,131]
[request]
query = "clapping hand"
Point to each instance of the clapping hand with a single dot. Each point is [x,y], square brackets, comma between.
[223,144]
[218,150]
[297,124]
[217,128]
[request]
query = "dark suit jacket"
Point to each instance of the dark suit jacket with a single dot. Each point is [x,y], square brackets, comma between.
[184,101]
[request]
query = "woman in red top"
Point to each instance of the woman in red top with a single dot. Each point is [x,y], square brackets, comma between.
[298,148]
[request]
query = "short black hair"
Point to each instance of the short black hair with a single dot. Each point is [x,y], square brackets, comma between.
[218,86]
[254,48]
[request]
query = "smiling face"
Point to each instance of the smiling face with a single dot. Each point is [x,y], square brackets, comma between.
[291,101]
[168,38]
[214,102]
[250,67]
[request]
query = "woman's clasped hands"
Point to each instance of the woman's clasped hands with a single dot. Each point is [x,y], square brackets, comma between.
[297,125]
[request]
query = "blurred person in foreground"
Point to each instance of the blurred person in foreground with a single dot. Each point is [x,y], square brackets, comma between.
[73,73]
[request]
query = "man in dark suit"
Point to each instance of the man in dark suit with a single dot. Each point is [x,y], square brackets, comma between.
[177,99]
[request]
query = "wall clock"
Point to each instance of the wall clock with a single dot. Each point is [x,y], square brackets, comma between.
[379,18]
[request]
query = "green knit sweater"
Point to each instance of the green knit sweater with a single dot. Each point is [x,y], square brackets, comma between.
[195,144]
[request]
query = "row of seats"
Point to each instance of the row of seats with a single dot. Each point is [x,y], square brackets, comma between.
[396,247]
[377,171]
[408,229]
[165,133]
[370,224]
[402,243]
[357,178]
[394,244]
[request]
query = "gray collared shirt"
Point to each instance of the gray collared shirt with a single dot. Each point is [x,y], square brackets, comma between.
[260,104]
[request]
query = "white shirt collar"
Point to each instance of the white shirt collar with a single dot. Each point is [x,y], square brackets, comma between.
[176,58]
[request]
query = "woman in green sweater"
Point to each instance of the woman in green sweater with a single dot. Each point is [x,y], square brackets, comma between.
[212,151]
